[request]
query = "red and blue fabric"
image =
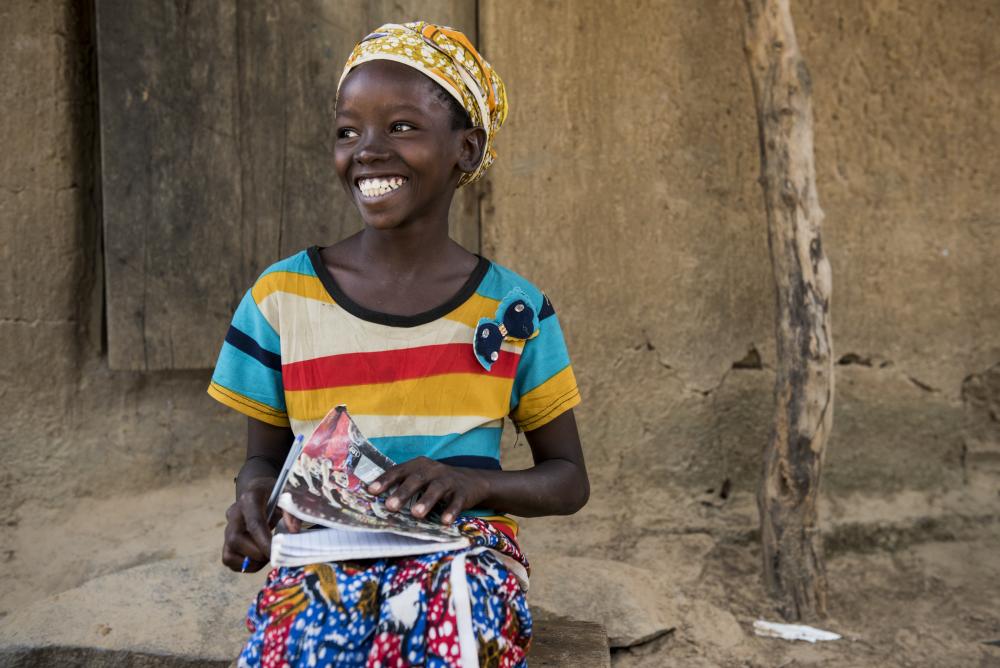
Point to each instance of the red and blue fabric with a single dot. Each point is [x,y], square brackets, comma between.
[457,608]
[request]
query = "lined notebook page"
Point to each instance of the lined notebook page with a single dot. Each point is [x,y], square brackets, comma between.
[331,544]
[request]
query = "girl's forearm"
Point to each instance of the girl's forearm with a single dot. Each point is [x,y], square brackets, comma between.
[551,487]
[256,468]
[267,447]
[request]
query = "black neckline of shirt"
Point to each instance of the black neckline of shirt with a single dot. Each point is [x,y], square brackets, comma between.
[392,320]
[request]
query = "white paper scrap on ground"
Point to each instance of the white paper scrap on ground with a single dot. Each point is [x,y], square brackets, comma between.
[792,631]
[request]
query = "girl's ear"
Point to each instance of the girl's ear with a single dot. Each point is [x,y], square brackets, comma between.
[473,145]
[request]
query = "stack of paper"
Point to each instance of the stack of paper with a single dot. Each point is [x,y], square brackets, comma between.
[338,544]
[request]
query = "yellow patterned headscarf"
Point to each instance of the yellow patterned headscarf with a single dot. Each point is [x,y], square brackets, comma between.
[446,56]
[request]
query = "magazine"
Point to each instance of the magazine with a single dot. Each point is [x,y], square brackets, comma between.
[325,483]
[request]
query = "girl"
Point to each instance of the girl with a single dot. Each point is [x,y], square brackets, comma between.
[430,347]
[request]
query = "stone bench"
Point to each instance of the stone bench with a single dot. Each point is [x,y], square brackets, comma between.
[188,612]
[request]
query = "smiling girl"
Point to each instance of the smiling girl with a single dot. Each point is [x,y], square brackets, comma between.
[430,347]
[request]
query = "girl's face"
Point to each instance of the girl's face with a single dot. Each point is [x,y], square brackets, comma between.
[396,152]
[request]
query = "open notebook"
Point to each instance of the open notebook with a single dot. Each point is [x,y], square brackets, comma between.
[323,481]
[338,544]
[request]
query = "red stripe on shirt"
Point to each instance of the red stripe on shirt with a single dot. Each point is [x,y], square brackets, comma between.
[387,366]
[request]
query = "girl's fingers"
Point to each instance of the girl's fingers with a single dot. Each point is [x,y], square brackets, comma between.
[388,479]
[236,530]
[255,522]
[235,563]
[455,506]
[253,566]
[230,559]
[407,489]
[240,541]
[292,523]
[242,545]
[429,498]
[399,472]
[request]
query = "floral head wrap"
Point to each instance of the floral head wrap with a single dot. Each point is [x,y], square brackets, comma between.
[446,56]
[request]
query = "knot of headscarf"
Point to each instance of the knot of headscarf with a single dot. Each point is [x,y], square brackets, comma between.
[446,56]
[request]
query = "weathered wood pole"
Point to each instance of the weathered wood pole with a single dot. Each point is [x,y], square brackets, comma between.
[793,561]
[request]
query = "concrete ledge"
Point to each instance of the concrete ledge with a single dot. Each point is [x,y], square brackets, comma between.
[188,612]
[559,643]
[54,656]
[564,642]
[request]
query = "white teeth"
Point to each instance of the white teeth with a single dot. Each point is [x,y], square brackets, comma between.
[379,186]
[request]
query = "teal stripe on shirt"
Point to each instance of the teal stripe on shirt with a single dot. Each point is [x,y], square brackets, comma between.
[541,358]
[500,280]
[478,442]
[249,320]
[296,264]
[243,374]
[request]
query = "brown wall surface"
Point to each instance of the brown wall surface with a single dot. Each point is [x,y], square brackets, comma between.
[216,138]
[625,187]
[71,426]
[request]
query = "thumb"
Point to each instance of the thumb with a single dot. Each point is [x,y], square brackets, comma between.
[292,523]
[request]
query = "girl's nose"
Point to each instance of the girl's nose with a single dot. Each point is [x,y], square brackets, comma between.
[371,149]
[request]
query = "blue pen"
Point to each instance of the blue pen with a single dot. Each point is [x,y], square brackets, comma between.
[272,502]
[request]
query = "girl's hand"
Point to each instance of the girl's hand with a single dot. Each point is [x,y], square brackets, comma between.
[292,523]
[247,531]
[429,482]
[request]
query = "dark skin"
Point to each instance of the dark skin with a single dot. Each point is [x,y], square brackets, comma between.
[391,123]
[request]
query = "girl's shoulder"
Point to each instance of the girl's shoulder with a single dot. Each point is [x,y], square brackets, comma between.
[299,263]
[297,274]
[499,281]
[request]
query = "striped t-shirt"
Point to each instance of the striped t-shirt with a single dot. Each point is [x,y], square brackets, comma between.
[298,346]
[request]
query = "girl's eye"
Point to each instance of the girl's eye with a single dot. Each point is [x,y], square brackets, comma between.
[401,127]
[346,133]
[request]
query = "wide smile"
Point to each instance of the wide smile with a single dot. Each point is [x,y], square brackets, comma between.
[376,188]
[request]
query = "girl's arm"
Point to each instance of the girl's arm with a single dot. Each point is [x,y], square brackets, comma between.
[248,533]
[556,485]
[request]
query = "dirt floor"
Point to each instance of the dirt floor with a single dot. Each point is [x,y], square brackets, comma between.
[905,592]
[930,604]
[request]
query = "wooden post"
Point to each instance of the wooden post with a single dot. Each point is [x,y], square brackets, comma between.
[793,562]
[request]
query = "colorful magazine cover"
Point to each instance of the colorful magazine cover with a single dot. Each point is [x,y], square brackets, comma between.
[326,484]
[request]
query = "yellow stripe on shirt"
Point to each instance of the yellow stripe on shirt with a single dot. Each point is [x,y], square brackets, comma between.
[547,401]
[291,282]
[474,308]
[247,406]
[447,394]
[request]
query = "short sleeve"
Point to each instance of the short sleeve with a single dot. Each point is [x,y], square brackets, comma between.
[247,376]
[544,386]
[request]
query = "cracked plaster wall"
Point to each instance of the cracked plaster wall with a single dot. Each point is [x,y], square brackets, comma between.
[72,427]
[632,153]
[636,168]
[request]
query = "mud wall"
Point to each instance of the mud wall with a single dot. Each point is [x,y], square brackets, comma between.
[71,426]
[625,187]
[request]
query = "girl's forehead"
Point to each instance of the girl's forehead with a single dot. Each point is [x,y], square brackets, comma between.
[381,77]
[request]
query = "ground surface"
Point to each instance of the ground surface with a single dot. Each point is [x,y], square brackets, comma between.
[927,605]
[682,590]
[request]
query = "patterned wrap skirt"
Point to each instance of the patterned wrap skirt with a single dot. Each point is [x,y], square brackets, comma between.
[457,608]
